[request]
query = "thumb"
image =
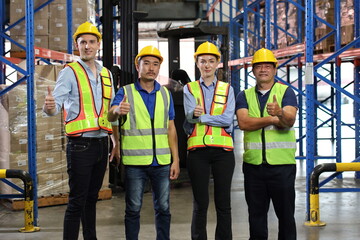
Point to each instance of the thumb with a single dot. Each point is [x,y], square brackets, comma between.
[198,102]
[49,91]
[274,99]
[124,99]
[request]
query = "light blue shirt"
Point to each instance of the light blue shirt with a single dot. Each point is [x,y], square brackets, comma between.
[66,94]
[224,120]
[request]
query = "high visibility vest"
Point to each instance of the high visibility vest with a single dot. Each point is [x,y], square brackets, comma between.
[144,139]
[210,136]
[88,119]
[279,144]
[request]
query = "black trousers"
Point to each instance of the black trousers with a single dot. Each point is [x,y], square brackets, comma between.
[221,163]
[86,164]
[270,182]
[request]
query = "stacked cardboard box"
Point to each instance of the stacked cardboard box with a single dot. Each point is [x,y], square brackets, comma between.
[41,24]
[82,11]
[52,177]
[50,22]
[51,163]
[325,9]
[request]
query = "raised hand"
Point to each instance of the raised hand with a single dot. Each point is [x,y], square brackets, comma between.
[198,111]
[273,108]
[49,104]
[123,108]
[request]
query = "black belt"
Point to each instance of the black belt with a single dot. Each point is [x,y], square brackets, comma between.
[88,139]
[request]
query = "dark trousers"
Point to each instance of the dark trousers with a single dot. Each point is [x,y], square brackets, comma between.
[199,164]
[270,182]
[86,165]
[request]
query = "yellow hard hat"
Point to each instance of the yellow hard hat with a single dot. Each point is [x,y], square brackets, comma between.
[149,51]
[264,55]
[87,28]
[207,48]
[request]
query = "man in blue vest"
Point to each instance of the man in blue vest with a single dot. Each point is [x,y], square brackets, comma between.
[148,143]
[266,113]
[84,90]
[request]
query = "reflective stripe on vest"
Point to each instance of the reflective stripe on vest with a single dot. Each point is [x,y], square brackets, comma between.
[279,145]
[88,119]
[138,133]
[210,136]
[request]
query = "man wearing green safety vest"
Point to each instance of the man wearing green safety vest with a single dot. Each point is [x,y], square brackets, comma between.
[209,106]
[84,90]
[266,113]
[148,143]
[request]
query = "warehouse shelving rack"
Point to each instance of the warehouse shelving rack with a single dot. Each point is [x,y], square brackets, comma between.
[309,66]
[31,53]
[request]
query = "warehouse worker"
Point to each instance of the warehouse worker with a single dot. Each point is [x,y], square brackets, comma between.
[148,141]
[84,90]
[209,108]
[266,113]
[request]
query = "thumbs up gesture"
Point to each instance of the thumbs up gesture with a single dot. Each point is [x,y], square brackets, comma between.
[49,105]
[123,108]
[273,108]
[198,111]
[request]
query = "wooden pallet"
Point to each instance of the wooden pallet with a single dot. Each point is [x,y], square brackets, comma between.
[53,200]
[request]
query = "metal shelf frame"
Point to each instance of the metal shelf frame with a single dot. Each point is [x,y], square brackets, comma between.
[31,53]
[312,68]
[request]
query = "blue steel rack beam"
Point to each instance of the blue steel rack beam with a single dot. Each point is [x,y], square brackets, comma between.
[31,52]
[29,77]
[314,65]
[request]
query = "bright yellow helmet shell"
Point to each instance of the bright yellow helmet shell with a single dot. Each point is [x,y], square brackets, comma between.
[264,55]
[149,51]
[207,48]
[87,28]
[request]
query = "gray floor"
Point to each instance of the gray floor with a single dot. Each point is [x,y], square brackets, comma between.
[340,211]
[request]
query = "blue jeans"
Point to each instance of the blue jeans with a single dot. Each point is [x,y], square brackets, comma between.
[86,165]
[135,180]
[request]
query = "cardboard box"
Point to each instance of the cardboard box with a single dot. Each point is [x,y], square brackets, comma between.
[50,162]
[84,10]
[39,41]
[17,10]
[50,183]
[41,27]
[58,42]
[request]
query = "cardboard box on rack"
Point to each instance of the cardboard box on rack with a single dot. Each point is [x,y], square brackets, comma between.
[58,42]
[41,27]
[39,41]
[17,10]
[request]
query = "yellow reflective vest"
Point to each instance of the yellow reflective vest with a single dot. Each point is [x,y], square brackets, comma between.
[210,136]
[279,145]
[144,139]
[88,118]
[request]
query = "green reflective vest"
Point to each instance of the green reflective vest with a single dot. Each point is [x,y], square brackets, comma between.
[279,144]
[88,119]
[143,139]
[210,136]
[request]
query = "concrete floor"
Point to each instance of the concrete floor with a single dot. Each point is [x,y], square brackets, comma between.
[340,211]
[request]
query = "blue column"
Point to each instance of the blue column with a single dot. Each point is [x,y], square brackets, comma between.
[309,87]
[69,25]
[2,41]
[31,111]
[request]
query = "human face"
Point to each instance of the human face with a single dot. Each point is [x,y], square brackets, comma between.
[207,65]
[88,46]
[148,68]
[264,72]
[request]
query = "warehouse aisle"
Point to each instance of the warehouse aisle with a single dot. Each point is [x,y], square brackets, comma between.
[339,210]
